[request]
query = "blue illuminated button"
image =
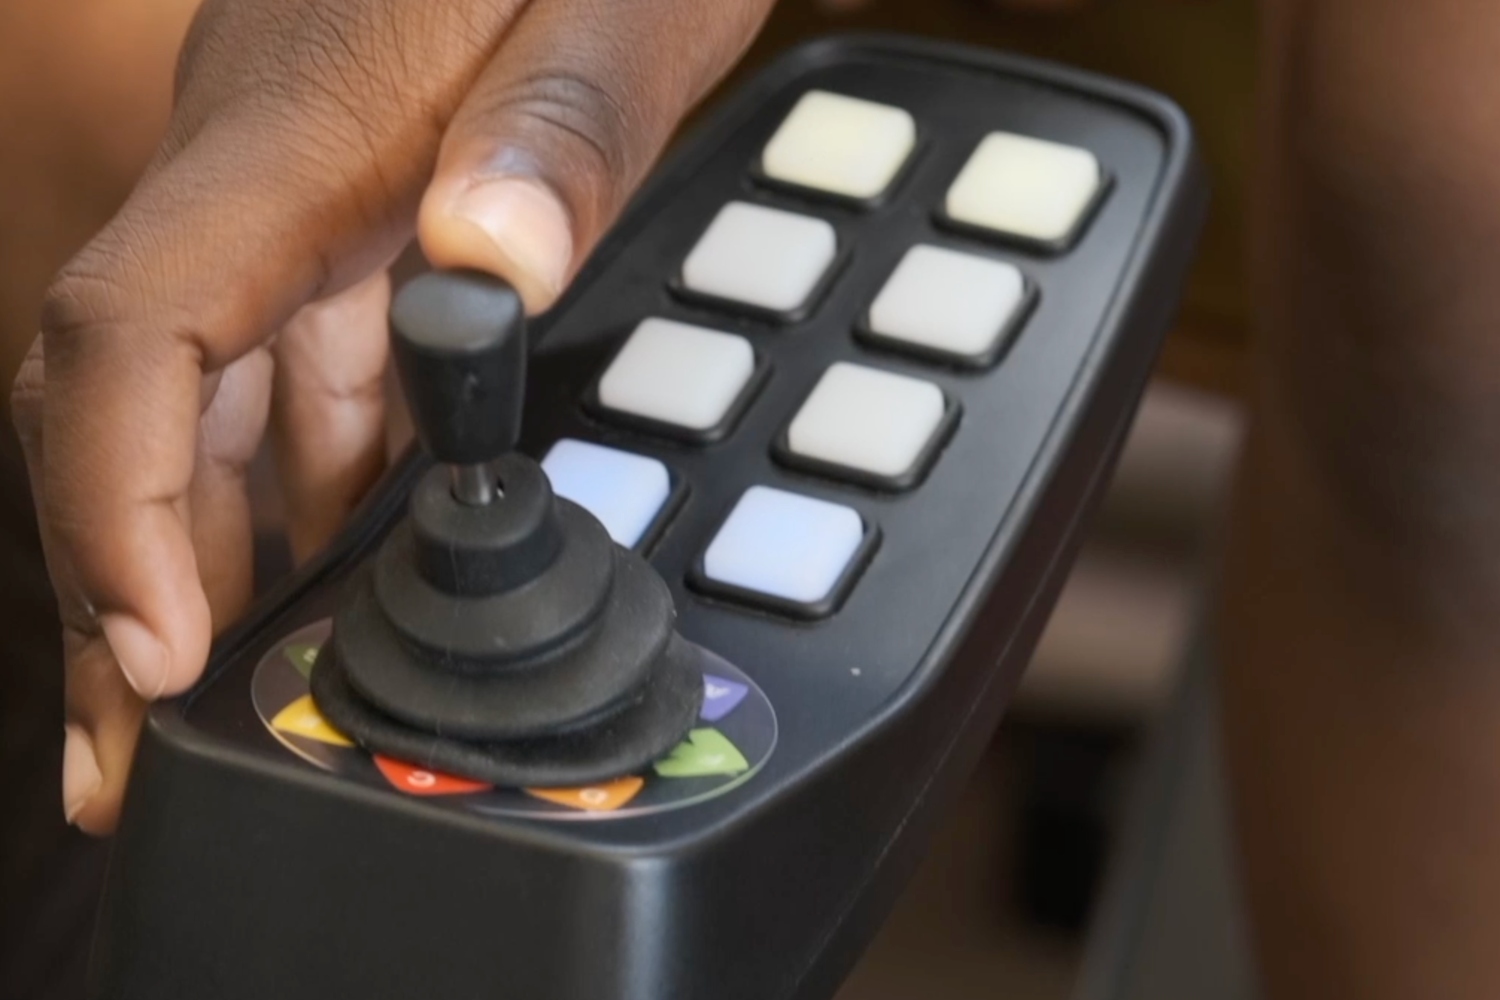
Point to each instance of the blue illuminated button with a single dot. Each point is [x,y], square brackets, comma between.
[792,548]
[624,491]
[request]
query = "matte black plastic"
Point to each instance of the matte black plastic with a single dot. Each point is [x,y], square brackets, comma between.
[242,873]
[501,636]
[459,340]
[619,740]
[557,691]
[539,633]
[507,626]
[502,544]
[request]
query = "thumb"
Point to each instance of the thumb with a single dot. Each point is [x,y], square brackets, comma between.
[562,125]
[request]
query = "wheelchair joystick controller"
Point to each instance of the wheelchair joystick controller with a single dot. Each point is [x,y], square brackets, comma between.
[855,367]
[499,634]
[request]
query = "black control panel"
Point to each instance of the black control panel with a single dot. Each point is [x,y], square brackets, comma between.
[844,383]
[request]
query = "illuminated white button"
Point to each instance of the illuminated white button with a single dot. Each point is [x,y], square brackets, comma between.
[1025,187]
[784,545]
[948,301]
[868,420]
[678,374]
[624,491]
[839,144]
[761,256]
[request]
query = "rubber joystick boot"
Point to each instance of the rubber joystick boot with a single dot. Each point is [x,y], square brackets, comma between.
[499,633]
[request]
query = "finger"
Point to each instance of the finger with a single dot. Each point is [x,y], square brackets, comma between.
[103,723]
[102,711]
[229,434]
[560,128]
[130,330]
[282,180]
[328,410]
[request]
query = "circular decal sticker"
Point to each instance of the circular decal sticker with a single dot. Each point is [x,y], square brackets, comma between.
[735,735]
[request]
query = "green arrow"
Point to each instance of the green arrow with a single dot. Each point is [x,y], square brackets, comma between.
[704,752]
[302,658]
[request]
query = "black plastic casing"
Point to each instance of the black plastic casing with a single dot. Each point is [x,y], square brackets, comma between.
[241,874]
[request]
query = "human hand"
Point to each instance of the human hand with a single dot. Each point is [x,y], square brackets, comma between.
[243,286]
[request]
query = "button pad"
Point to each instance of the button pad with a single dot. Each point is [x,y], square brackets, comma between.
[681,380]
[626,492]
[762,259]
[1028,190]
[869,426]
[948,305]
[859,424]
[786,551]
[841,146]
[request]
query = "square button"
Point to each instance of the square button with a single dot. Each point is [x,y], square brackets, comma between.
[626,492]
[683,380]
[950,305]
[1028,189]
[840,145]
[787,551]
[869,426]
[770,260]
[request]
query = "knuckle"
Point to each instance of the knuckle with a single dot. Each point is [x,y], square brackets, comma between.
[587,112]
[87,299]
[82,295]
[128,282]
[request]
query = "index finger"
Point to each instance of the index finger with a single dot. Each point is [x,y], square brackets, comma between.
[130,330]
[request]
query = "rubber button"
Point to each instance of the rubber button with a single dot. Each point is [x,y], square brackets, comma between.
[950,304]
[762,257]
[869,421]
[842,145]
[1027,188]
[678,374]
[784,545]
[626,492]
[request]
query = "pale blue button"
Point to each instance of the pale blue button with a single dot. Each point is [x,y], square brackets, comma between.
[784,545]
[624,491]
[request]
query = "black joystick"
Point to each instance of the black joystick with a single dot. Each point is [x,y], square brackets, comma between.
[499,634]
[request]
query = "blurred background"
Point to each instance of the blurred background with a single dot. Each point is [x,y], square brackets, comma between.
[1006,899]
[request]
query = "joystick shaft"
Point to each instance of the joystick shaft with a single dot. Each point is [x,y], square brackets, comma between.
[474,484]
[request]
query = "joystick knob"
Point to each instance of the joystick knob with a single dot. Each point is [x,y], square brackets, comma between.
[498,633]
[459,341]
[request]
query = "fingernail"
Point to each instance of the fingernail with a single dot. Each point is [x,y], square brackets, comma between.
[81,775]
[529,229]
[142,657]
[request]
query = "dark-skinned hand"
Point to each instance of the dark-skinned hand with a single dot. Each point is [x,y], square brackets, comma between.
[242,288]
